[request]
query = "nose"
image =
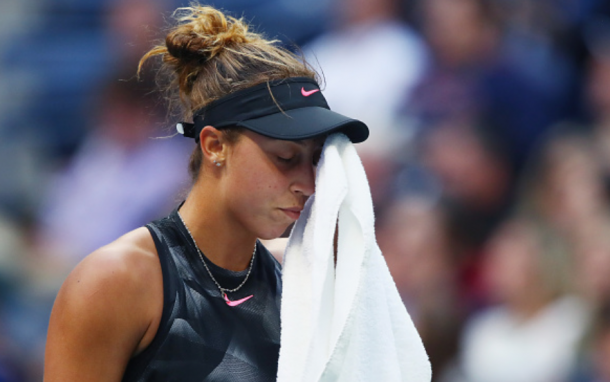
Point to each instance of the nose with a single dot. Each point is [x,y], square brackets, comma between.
[305,180]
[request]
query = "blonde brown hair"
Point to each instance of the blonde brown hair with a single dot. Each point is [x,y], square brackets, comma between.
[209,55]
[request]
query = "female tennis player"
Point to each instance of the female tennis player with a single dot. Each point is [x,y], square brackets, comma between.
[195,296]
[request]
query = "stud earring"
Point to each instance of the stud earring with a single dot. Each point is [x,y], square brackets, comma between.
[218,164]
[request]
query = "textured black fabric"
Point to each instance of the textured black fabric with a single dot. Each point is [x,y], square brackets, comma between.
[201,338]
[259,101]
[289,109]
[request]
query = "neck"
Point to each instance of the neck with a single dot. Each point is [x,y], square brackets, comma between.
[223,242]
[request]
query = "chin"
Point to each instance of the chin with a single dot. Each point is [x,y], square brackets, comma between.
[271,234]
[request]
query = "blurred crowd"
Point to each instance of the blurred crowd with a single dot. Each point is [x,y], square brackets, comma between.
[489,162]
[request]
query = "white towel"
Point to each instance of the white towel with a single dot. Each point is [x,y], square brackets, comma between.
[345,322]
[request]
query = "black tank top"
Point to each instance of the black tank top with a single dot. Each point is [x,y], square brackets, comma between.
[200,337]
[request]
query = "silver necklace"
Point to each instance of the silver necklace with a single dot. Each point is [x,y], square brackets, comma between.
[223,291]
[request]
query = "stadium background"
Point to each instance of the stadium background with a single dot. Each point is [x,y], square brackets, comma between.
[489,162]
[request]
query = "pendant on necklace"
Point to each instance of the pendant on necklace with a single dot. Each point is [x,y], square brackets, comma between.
[237,302]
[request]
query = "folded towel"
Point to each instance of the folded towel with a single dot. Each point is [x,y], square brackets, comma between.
[343,322]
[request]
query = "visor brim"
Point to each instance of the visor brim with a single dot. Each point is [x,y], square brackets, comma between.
[307,123]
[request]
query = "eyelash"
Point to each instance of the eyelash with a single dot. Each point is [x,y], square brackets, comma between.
[285,160]
[316,158]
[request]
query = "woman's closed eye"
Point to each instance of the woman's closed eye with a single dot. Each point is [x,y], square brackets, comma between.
[289,159]
[286,158]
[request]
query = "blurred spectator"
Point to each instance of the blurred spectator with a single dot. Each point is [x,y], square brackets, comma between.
[132,26]
[122,176]
[369,60]
[598,95]
[592,260]
[475,172]
[542,40]
[476,179]
[413,239]
[594,366]
[50,73]
[533,332]
[471,76]
[550,40]
[564,183]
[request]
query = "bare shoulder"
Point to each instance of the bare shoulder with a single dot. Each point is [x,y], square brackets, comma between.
[129,260]
[106,311]
[116,273]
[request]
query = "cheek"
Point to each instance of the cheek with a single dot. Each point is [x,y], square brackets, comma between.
[255,180]
[246,187]
[254,190]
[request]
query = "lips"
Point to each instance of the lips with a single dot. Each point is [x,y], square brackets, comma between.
[292,213]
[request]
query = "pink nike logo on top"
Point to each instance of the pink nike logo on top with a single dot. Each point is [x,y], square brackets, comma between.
[237,302]
[307,93]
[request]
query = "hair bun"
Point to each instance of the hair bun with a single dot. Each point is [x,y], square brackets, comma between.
[204,32]
[208,55]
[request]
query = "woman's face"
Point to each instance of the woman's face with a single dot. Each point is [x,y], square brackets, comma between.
[267,182]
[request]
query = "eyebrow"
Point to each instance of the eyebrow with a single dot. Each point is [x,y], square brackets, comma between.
[299,142]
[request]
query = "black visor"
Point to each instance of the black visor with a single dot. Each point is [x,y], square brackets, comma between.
[288,109]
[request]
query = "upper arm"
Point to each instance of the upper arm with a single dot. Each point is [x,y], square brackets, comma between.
[100,316]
